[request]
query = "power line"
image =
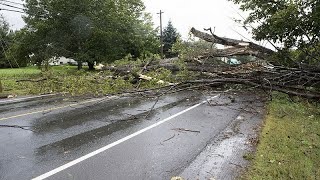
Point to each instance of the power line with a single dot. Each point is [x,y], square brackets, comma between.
[11,6]
[241,35]
[11,10]
[12,2]
[9,50]
[5,54]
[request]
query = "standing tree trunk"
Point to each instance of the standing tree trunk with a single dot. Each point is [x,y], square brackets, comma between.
[79,65]
[79,58]
[1,88]
[91,66]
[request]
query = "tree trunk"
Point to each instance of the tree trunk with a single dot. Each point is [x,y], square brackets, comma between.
[1,88]
[239,47]
[91,66]
[79,65]
[236,51]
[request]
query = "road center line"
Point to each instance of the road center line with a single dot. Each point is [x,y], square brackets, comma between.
[94,153]
[52,109]
[26,98]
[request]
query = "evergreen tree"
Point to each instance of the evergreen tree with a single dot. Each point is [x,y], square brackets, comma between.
[170,36]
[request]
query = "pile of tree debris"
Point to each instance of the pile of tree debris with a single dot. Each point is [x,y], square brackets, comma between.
[302,82]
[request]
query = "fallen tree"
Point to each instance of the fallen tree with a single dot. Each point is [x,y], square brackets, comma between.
[302,82]
[239,47]
[291,81]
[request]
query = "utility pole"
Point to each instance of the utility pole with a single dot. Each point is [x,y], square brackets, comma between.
[161,34]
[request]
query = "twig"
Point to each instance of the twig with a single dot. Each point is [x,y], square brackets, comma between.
[131,118]
[169,138]
[31,80]
[186,130]
[204,95]
[158,98]
[16,126]
[236,165]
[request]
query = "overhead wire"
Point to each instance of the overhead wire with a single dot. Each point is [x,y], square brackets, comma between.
[10,52]
[15,7]
[269,41]
[11,2]
[3,43]
[5,54]
[11,10]
[8,5]
[241,35]
[251,26]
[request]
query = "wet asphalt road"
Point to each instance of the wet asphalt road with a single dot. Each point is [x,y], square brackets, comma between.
[60,129]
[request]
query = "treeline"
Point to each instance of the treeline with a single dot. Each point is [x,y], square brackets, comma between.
[84,30]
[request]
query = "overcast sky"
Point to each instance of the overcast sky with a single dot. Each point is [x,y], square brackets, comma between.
[200,14]
[184,14]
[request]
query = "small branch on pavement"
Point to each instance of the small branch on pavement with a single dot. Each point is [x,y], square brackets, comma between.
[18,127]
[158,98]
[169,138]
[236,165]
[185,130]
[224,104]
[131,118]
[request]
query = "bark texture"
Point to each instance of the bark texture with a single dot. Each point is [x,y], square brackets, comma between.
[239,47]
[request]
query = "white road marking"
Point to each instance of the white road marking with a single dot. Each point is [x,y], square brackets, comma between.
[26,98]
[94,153]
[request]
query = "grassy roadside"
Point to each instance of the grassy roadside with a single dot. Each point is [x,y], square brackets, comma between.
[9,77]
[68,79]
[289,145]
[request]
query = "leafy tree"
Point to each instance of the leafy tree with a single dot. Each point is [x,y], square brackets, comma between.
[89,30]
[170,37]
[292,23]
[6,37]
[19,48]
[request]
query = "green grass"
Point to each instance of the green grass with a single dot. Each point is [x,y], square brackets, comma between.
[21,72]
[289,145]
[56,76]
[68,79]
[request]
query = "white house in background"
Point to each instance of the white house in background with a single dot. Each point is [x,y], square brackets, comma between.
[62,61]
